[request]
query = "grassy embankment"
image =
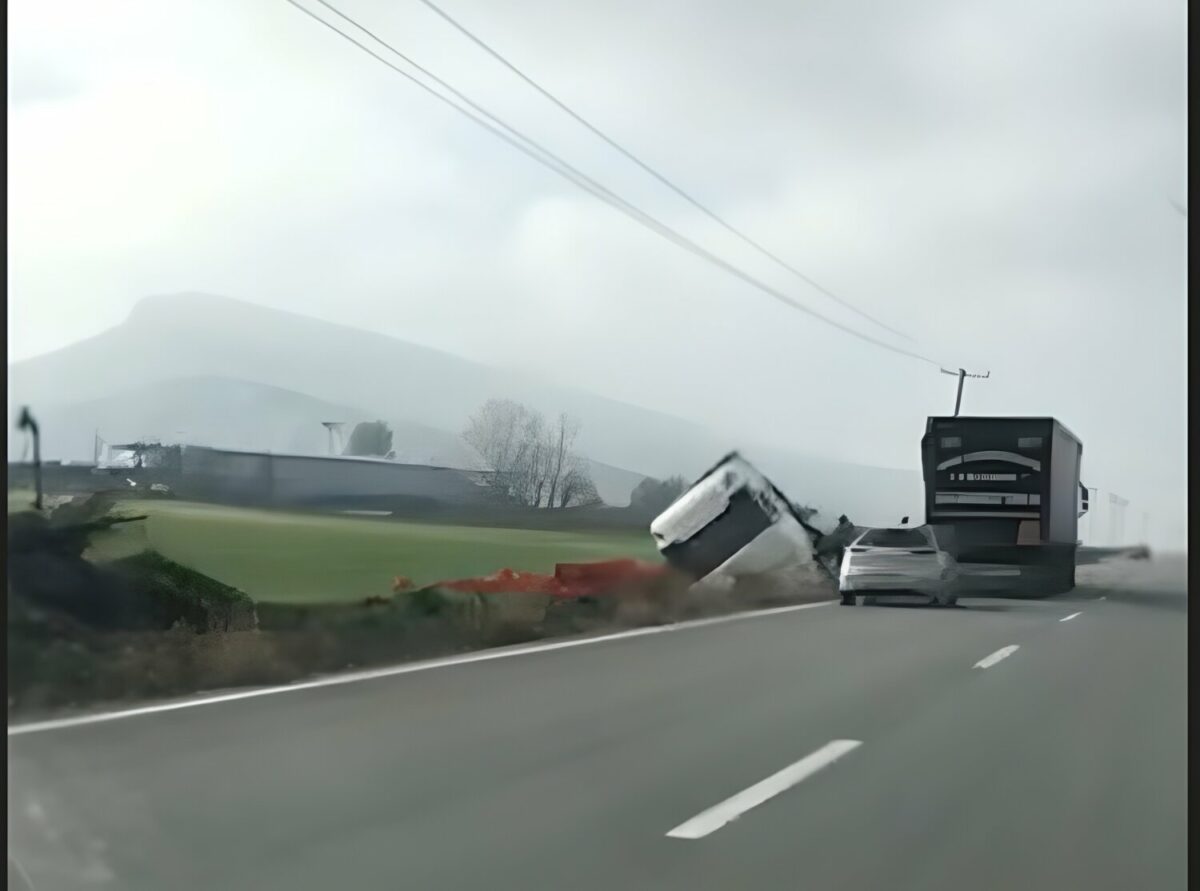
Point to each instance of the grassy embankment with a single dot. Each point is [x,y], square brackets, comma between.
[142,610]
[283,557]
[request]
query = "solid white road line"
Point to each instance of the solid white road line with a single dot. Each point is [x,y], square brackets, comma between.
[22,874]
[394,670]
[709,821]
[1070,617]
[999,655]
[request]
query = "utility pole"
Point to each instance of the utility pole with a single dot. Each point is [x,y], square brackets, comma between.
[962,375]
[26,422]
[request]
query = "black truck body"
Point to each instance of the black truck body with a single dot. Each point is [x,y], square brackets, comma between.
[1005,493]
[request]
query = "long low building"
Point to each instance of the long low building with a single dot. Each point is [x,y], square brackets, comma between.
[235,476]
[262,477]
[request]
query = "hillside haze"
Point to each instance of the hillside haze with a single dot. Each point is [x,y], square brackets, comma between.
[235,374]
[229,413]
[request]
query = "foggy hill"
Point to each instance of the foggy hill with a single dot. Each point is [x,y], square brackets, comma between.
[614,485]
[227,413]
[190,335]
[166,338]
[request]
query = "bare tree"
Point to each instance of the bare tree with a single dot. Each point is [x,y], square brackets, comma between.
[532,463]
[562,441]
[532,467]
[577,489]
[498,432]
[494,431]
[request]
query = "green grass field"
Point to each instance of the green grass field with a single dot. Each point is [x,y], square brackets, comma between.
[294,557]
[19,499]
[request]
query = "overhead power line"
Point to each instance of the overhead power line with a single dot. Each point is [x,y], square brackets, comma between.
[678,190]
[544,156]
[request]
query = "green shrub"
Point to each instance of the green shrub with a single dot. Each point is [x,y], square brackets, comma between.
[174,593]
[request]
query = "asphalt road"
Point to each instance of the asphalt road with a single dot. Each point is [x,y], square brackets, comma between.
[1061,765]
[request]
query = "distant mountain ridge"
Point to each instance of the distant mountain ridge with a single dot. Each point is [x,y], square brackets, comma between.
[227,413]
[192,335]
[318,367]
[233,414]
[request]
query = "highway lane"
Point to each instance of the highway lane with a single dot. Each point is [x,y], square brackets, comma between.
[1062,765]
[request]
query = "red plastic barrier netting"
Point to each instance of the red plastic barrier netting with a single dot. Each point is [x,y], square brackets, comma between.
[569,579]
[582,579]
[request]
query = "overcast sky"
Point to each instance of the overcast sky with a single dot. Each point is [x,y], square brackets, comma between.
[993,178]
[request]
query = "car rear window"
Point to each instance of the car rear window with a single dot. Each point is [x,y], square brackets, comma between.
[895,538]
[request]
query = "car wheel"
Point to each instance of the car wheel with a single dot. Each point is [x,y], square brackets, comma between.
[847,599]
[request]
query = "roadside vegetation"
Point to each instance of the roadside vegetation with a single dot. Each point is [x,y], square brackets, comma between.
[115,601]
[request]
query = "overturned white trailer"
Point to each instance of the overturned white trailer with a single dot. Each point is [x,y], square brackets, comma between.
[733,523]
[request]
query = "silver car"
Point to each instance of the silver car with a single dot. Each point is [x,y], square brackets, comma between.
[897,562]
